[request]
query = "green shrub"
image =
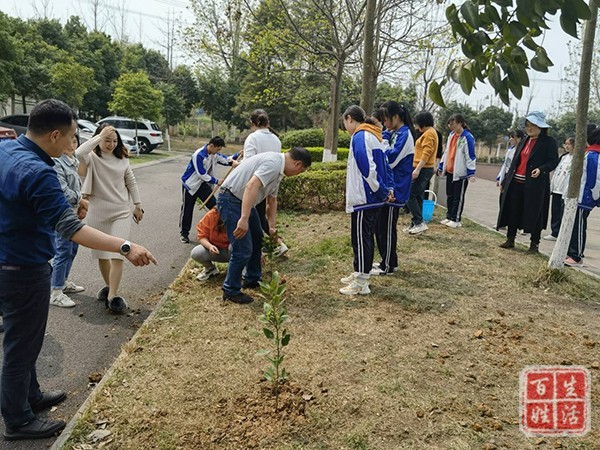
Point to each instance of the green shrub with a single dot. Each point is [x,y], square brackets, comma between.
[333,165]
[316,190]
[316,153]
[312,137]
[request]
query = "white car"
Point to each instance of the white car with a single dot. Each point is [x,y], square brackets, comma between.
[149,135]
[86,130]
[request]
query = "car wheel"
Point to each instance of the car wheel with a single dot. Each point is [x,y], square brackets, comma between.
[143,145]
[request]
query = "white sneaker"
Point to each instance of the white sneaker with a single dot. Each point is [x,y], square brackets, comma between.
[418,228]
[72,288]
[377,270]
[407,229]
[549,238]
[453,224]
[62,300]
[349,279]
[280,250]
[445,221]
[358,286]
[207,272]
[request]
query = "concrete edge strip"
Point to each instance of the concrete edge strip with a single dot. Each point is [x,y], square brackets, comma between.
[66,434]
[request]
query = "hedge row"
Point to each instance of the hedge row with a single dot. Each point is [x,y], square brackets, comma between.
[312,137]
[316,153]
[317,190]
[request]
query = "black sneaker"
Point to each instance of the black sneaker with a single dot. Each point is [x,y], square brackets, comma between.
[116,305]
[250,284]
[184,239]
[240,299]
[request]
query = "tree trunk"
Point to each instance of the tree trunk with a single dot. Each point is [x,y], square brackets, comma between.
[331,132]
[24,103]
[367,96]
[583,101]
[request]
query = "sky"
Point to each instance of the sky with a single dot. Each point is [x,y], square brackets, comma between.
[545,92]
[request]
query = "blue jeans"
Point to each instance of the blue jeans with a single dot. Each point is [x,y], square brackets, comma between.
[62,262]
[244,252]
[24,300]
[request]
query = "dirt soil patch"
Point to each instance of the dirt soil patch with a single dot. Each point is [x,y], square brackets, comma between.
[430,360]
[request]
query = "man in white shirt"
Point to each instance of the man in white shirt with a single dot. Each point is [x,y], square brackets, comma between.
[256,179]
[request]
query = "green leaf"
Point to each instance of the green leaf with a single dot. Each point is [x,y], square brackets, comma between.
[530,43]
[263,352]
[516,89]
[268,333]
[517,30]
[580,9]
[286,340]
[435,93]
[466,80]
[492,13]
[519,55]
[495,78]
[537,65]
[470,13]
[284,374]
[568,24]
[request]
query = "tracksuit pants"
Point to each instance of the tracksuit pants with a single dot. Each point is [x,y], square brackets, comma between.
[556,210]
[188,201]
[387,237]
[455,193]
[363,245]
[579,234]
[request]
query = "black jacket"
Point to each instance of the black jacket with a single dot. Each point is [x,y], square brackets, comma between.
[544,156]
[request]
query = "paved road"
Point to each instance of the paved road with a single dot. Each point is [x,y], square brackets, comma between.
[482,206]
[86,338]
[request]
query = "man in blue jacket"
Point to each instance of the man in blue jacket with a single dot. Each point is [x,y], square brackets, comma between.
[197,182]
[32,208]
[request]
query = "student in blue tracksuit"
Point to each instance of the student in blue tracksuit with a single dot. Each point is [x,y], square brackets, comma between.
[197,180]
[400,135]
[367,189]
[589,198]
[458,164]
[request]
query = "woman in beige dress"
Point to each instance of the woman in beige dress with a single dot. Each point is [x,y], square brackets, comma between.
[110,187]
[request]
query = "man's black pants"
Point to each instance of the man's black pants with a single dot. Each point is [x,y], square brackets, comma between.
[24,300]
[188,202]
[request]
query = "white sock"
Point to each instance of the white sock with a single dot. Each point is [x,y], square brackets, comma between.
[55,293]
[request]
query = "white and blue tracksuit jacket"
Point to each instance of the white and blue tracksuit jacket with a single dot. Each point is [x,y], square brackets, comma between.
[200,169]
[367,173]
[400,154]
[589,195]
[464,158]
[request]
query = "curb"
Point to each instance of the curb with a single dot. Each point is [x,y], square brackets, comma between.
[66,434]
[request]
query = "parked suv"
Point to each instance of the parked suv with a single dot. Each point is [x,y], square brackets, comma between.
[149,135]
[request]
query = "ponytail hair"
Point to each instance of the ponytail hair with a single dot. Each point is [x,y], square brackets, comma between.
[259,118]
[392,108]
[357,113]
[459,118]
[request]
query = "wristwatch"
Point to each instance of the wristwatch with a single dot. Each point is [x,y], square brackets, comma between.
[125,248]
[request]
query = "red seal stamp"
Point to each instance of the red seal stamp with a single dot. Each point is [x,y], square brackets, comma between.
[555,400]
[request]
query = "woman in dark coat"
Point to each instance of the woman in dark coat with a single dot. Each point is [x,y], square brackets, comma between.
[525,194]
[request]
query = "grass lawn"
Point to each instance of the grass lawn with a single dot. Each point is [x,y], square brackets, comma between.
[430,360]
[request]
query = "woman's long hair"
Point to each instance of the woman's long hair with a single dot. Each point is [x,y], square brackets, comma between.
[120,151]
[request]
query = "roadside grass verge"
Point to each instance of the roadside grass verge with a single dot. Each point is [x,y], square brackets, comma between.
[430,360]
